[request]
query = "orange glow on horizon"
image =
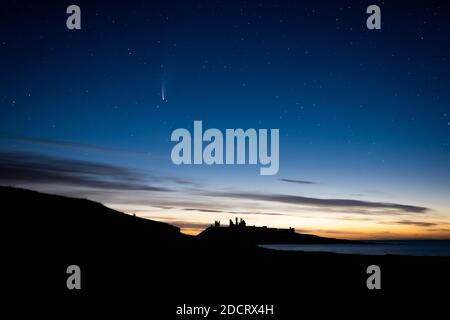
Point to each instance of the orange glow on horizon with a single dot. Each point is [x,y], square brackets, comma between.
[341,225]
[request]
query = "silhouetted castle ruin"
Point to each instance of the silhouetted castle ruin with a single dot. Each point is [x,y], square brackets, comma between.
[240,224]
[240,233]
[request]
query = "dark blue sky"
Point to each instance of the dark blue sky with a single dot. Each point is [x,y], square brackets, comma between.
[363,114]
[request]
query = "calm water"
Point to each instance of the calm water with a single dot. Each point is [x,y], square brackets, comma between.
[397,247]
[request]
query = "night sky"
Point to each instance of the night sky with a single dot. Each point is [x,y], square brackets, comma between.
[364,115]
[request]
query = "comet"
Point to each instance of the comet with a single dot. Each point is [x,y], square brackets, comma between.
[163,86]
[163,93]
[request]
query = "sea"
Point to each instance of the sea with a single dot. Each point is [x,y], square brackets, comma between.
[375,247]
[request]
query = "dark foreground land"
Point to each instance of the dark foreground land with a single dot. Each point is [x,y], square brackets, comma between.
[130,265]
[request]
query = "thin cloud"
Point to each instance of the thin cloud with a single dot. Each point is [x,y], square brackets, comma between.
[70,144]
[258,213]
[297,181]
[18,167]
[319,202]
[203,210]
[163,207]
[414,223]
[440,230]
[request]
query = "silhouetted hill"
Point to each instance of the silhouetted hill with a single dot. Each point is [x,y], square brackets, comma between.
[51,220]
